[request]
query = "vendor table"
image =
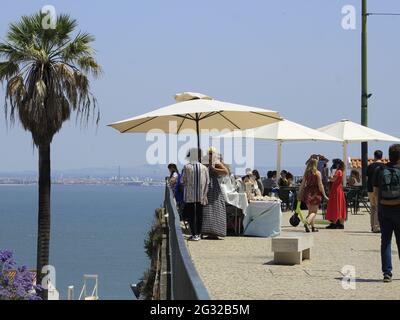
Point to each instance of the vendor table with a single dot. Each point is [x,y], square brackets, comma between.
[263,218]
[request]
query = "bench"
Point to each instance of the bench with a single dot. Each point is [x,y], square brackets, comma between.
[292,247]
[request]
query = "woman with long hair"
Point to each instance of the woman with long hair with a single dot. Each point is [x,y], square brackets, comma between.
[355,179]
[257,178]
[336,211]
[173,175]
[311,193]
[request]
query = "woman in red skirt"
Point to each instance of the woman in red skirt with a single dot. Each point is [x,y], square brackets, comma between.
[336,211]
[311,192]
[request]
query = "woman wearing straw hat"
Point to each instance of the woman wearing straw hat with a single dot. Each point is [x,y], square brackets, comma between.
[214,213]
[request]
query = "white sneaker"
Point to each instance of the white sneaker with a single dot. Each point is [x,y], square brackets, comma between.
[194,238]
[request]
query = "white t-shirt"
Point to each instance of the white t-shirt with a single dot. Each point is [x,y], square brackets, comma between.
[175,175]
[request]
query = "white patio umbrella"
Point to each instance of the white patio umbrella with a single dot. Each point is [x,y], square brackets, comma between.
[350,132]
[197,111]
[283,131]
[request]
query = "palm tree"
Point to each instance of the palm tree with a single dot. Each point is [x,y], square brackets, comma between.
[46,76]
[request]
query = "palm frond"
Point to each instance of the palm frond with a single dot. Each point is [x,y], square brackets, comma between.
[46,73]
[8,69]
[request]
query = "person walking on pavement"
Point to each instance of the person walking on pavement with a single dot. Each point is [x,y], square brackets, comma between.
[311,192]
[387,191]
[371,171]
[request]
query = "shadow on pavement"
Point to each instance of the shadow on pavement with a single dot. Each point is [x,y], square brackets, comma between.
[362,280]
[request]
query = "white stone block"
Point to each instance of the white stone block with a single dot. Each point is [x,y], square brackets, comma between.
[292,248]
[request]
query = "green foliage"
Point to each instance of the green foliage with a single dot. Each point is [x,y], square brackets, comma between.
[151,242]
[149,277]
[153,239]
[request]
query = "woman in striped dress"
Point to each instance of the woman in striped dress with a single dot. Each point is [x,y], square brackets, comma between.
[214,213]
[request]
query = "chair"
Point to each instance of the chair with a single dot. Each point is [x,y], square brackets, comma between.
[234,220]
[267,191]
[362,200]
[351,200]
[355,198]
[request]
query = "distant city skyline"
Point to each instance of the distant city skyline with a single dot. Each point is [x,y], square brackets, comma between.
[290,56]
[138,171]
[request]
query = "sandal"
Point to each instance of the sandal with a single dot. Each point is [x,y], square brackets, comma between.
[306,227]
[313,229]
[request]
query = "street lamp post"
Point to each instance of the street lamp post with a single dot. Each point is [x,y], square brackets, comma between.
[364,91]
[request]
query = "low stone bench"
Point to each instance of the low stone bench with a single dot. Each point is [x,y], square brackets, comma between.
[292,247]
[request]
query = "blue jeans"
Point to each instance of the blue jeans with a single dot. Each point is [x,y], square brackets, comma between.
[389,219]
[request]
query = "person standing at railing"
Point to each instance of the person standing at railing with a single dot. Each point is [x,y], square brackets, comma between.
[195,179]
[175,183]
[173,175]
[214,213]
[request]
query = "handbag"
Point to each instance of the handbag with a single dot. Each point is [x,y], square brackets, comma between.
[297,216]
[294,220]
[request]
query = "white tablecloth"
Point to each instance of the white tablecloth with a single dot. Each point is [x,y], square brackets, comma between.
[263,219]
[234,198]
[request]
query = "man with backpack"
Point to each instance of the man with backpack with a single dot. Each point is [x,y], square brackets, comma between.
[387,191]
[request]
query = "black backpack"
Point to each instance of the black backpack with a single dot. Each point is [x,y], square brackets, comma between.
[390,183]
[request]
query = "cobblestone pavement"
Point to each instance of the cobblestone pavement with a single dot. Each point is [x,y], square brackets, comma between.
[243,268]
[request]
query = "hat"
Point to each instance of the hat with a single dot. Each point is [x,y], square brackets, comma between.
[212,150]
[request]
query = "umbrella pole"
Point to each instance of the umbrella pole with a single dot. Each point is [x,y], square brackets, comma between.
[278,159]
[345,163]
[199,158]
[198,136]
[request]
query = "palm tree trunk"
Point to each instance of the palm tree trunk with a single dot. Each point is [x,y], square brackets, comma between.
[43,243]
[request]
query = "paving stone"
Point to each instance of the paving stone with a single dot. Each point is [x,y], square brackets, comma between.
[242,268]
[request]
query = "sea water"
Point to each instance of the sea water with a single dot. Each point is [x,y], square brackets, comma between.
[97,229]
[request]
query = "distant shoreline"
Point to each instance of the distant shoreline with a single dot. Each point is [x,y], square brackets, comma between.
[17,184]
[76,184]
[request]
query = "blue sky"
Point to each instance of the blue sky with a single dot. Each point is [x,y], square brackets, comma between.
[288,55]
